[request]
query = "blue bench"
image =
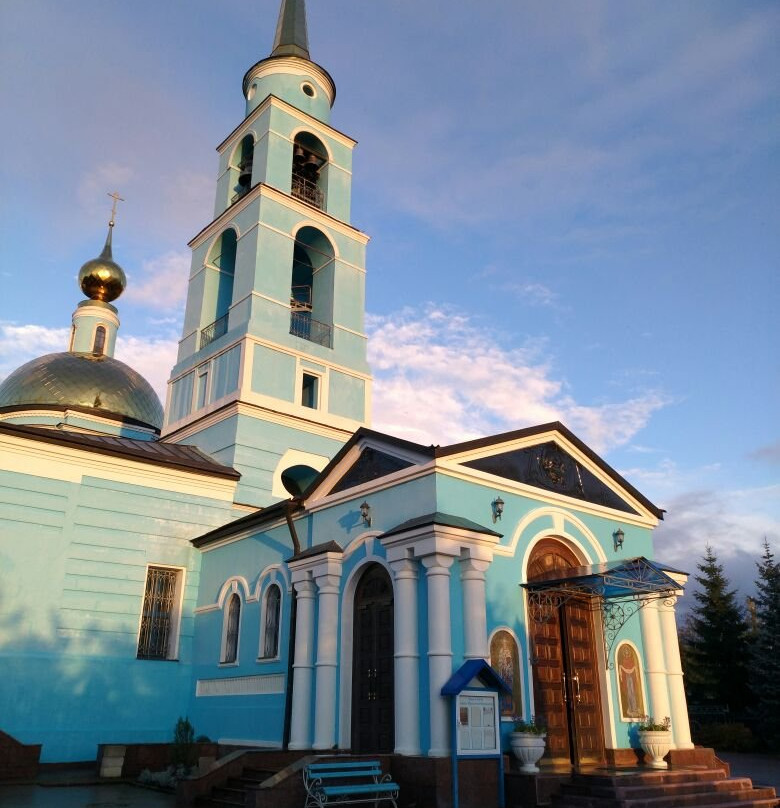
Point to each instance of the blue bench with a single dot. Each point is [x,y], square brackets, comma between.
[348,783]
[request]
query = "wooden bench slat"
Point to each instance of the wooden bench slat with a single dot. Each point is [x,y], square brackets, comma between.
[352,764]
[367,788]
[353,773]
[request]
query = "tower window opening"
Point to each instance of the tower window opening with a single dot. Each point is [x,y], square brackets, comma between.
[308,89]
[311,288]
[241,167]
[309,162]
[99,344]
[310,391]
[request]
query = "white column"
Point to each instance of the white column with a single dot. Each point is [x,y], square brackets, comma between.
[327,660]
[407,658]
[472,576]
[303,668]
[681,730]
[437,567]
[655,668]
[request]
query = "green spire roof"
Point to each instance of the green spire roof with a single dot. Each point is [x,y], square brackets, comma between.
[291,38]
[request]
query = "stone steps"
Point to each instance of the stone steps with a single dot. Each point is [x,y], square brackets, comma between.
[232,794]
[703,788]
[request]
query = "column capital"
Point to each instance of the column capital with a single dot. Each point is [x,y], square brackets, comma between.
[304,587]
[473,567]
[328,584]
[437,561]
[404,568]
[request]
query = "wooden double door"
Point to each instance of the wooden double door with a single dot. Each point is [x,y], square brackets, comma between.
[565,665]
[373,715]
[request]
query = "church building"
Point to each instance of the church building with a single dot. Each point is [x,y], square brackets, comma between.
[256,557]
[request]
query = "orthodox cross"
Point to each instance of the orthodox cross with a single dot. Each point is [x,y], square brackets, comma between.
[115,196]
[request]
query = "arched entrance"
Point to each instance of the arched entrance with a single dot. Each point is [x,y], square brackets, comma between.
[373,716]
[564,663]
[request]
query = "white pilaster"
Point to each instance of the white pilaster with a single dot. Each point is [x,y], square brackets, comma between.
[327,661]
[407,658]
[681,730]
[303,667]
[437,570]
[655,668]
[472,576]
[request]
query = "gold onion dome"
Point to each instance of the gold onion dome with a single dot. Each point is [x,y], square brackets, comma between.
[82,381]
[102,278]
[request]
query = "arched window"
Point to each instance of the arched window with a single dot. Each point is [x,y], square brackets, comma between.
[272,622]
[309,170]
[232,624]
[241,168]
[505,659]
[218,288]
[311,288]
[99,344]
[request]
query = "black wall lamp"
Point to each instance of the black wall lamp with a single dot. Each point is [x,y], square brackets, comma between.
[617,538]
[497,507]
[365,513]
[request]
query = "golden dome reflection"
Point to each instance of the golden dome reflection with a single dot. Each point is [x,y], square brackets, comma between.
[102,278]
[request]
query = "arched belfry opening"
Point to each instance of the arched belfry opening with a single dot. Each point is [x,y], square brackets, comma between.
[311,287]
[218,287]
[373,714]
[309,170]
[241,168]
[566,670]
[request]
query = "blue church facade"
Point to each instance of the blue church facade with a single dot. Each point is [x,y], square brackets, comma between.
[256,557]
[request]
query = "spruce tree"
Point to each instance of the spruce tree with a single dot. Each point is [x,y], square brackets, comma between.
[765,650]
[716,650]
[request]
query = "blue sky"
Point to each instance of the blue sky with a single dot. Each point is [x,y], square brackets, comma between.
[573,209]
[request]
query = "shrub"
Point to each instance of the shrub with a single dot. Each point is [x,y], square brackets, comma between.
[183,752]
[732,737]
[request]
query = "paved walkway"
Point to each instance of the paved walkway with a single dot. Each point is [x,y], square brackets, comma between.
[763,770]
[116,795]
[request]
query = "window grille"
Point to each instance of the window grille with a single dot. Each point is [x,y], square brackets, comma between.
[231,633]
[100,340]
[272,609]
[158,613]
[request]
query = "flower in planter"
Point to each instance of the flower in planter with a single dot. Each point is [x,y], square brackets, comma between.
[532,727]
[649,724]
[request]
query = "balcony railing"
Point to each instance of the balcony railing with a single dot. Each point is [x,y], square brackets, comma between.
[307,191]
[302,324]
[213,331]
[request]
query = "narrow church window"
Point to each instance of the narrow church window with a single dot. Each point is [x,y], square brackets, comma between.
[157,637]
[273,602]
[230,653]
[310,391]
[505,659]
[203,383]
[98,346]
[241,168]
[310,159]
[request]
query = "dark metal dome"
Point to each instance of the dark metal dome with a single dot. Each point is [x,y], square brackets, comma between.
[84,381]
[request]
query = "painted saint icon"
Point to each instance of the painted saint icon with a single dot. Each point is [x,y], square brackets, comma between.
[632,705]
[504,658]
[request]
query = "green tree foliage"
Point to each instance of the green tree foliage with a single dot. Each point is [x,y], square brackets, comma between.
[765,650]
[716,642]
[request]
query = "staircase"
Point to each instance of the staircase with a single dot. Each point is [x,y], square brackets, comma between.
[233,792]
[704,788]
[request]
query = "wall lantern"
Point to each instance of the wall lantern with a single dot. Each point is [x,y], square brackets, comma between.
[365,513]
[497,506]
[617,538]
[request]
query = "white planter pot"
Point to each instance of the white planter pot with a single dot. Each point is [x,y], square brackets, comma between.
[655,745]
[527,748]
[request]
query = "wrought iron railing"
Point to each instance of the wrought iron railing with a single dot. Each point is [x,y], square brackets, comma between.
[302,324]
[307,191]
[213,331]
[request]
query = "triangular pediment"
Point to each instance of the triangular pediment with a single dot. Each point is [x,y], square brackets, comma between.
[371,464]
[550,467]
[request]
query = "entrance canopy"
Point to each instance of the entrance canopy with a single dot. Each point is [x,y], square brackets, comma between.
[626,579]
[617,588]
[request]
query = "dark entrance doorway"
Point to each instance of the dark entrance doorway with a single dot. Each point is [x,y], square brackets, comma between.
[373,716]
[565,665]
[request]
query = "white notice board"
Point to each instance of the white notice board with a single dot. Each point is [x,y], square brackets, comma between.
[476,714]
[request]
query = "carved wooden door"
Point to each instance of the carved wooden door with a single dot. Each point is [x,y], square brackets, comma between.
[373,717]
[565,666]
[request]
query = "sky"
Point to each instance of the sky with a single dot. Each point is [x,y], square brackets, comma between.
[573,209]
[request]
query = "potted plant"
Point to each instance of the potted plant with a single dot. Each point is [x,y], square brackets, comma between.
[527,741]
[655,738]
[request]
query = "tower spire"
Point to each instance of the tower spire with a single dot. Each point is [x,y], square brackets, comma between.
[291,38]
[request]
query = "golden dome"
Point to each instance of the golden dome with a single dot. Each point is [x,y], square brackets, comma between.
[86,382]
[102,278]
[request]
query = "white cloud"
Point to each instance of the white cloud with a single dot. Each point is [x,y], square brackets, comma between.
[21,343]
[162,281]
[440,378]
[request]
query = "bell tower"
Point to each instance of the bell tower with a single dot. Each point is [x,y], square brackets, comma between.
[271,375]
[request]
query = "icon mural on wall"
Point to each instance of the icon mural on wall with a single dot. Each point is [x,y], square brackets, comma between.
[632,703]
[504,659]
